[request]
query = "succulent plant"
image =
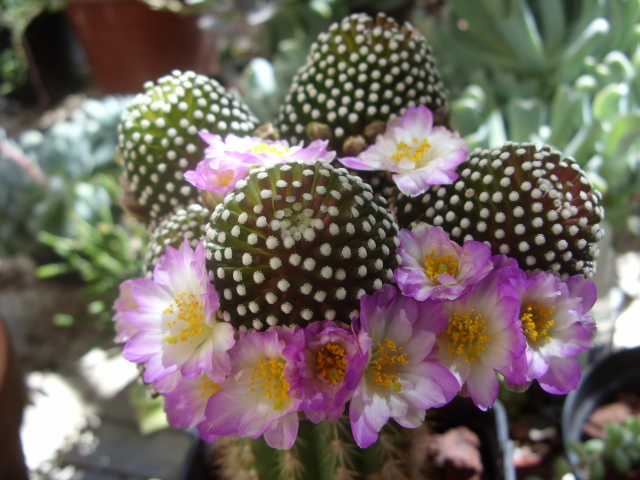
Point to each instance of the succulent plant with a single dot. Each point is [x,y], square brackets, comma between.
[159,139]
[532,204]
[296,243]
[49,176]
[618,452]
[554,72]
[360,74]
[190,222]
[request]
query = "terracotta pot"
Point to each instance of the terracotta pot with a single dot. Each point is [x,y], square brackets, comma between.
[12,400]
[127,43]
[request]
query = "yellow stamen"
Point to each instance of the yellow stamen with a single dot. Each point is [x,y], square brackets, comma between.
[386,359]
[535,318]
[331,363]
[208,387]
[268,377]
[187,307]
[435,265]
[466,334]
[225,177]
[413,152]
[278,150]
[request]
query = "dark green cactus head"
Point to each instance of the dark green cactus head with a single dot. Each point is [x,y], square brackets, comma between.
[361,73]
[189,222]
[529,203]
[159,139]
[296,243]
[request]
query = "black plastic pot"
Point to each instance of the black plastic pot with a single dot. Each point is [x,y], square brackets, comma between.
[600,384]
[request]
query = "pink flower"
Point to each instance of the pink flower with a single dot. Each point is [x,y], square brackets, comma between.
[175,318]
[217,181]
[332,366]
[401,379]
[124,302]
[556,323]
[260,395]
[419,154]
[257,151]
[482,335]
[185,403]
[433,266]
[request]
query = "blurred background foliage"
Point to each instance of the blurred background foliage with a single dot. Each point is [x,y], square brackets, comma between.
[562,72]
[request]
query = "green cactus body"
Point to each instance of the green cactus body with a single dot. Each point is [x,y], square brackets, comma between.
[297,242]
[360,74]
[159,139]
[189,222]
[323,451]
[526,202]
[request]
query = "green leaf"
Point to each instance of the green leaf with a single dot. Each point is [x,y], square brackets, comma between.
[607,102]
[625,132]
[571,60]
[520,32]
[594,446]
[624,15]
[524,118]
[552,23]
[620,460]
[565,115]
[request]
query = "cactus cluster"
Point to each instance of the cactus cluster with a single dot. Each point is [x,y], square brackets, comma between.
[301,294]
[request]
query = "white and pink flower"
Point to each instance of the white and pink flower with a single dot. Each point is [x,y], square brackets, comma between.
[433,266]
[417,153]
[261,394]
[401,379]
[482,335]
[175,319]
[556,323]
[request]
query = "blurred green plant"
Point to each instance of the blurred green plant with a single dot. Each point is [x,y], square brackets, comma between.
[59,196]
[15,18]
[619,449]
[102,255]
[566,73]
[49,178]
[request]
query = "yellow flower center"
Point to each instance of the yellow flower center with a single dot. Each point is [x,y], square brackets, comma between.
[271,149]
[536,321]
[331,363]
[386,359]
[466,334]
[435,265]
[413,152]
[208,387]
[187,308]
[225,177]
[268,377]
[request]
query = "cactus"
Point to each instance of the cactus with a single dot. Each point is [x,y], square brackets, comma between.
[297,243]
[531,204]
[296,333]
[324,452]
[360,74]
[159,140]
